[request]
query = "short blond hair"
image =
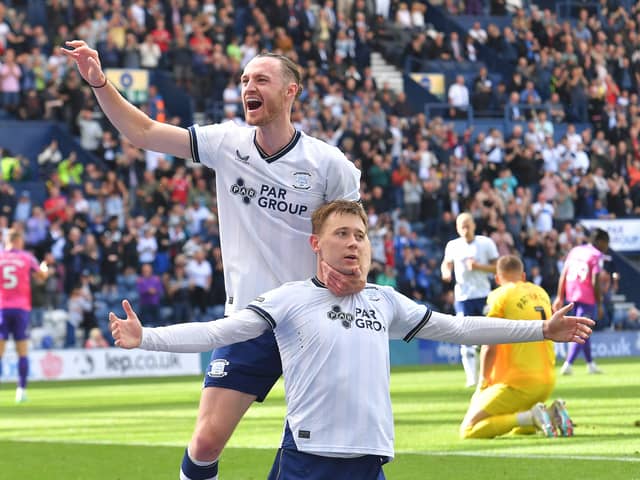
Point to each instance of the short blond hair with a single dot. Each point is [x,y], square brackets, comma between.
[509,265]
[341,207]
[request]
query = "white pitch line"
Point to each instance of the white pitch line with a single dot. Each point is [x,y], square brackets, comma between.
[596,458]
[517,455]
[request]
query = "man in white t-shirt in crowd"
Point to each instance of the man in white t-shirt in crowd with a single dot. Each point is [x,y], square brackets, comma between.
[147,246]
[199,272]
[471,258]
[542,214]
[458,95]
[335,348]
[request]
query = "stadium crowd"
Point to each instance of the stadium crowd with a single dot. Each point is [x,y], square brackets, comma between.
[145,224]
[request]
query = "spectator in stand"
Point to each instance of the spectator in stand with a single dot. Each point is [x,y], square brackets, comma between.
[155,105]
[151,292]
[178,288]
[73,251]
[109,264]
[90,130]
[10,74]
[514,111]
[550,261]
[477,33]
[147,246]
[403,16]
[22,210]
[503,239]
[55,205]
[627,319]
[36,232]
[199,273]
[49,158]
[415,52]
[542,214]
[458,95]
[78,305]
[633,173]
[180,59]
[530,94]
[412,188]
[10,166]
[70,171]
[456,46]
[96,339]
[482,92]
[131,52]
[31,105]
[162,37]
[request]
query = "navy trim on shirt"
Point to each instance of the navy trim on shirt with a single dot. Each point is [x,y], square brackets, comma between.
[316,281]
[265,315]
[419,326]
[280,153]
[193,141]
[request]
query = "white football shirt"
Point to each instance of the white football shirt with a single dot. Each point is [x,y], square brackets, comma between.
[470,283]
[265,204]
[335,363]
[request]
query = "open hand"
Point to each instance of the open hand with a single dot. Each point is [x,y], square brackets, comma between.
[565,328]
[87,60]
[127,332]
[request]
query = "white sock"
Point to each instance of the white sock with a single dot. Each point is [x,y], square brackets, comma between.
[468,355]
[524,419]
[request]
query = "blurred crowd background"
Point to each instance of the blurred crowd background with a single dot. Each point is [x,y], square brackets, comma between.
[538,128]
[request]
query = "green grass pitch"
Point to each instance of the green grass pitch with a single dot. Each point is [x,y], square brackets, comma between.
[138,428]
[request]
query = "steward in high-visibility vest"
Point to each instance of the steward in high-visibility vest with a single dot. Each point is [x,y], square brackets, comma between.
[157,109]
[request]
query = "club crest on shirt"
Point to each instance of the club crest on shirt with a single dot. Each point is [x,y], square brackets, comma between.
[336,313]
[372,294]
[301,180]
[242,158]
[216,368]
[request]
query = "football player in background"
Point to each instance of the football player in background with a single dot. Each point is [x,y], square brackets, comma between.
[471,259]
[16,267]
[579,284]
[516,379]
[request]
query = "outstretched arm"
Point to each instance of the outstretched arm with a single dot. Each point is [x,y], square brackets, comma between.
[141,130]
[185,337]
[567,328]
[489,331]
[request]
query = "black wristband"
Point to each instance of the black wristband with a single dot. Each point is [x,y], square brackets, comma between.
[99,86]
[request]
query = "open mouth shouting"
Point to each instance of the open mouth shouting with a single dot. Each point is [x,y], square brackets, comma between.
[252,103]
